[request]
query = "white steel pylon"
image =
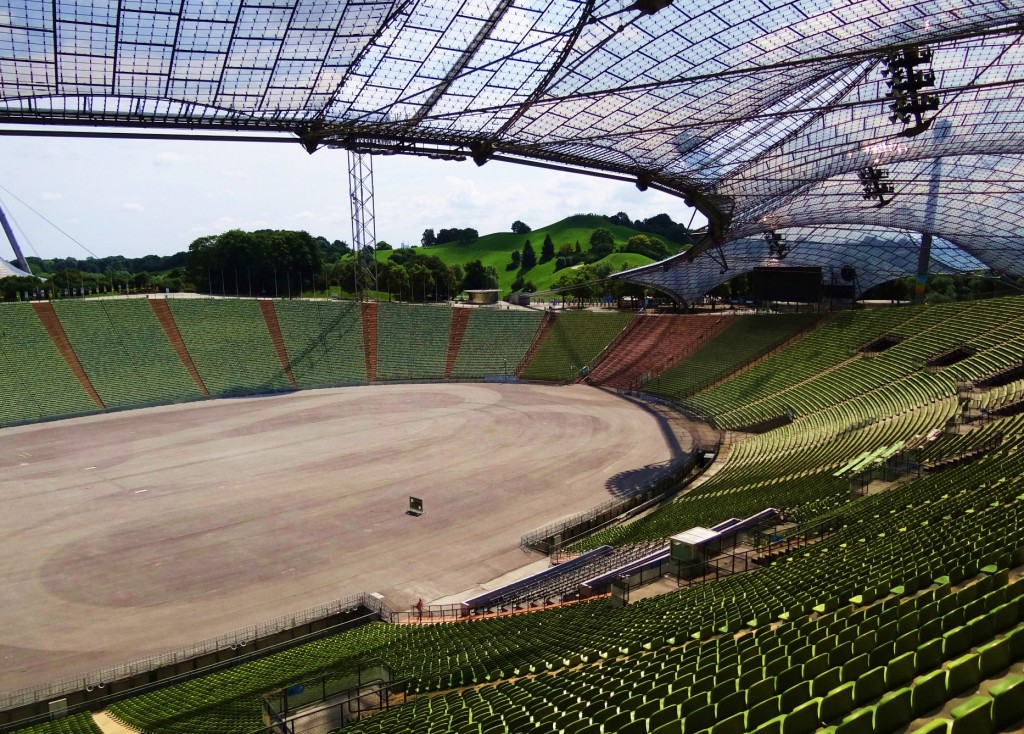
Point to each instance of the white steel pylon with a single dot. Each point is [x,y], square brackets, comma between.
[22,263]
[364,232]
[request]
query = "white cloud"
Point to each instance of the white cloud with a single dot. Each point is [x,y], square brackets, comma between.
[207,188]
[222,224]
[221,194]
[326,217]
[168,158]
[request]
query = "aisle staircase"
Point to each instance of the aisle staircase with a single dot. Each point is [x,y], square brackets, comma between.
[48,318]
[369,312]
[167,323]
[538,339]
[651,345]
[270,317]
[460,320]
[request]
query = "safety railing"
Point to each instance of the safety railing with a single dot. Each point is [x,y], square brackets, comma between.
[239,638]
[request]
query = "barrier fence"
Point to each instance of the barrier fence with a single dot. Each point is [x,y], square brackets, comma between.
[327,702]
[234,640]
[329,717]
[551,538]
[428,615]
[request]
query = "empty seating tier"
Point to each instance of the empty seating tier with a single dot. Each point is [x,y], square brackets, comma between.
[821,350]
[77,724]
[985,326]
[324,342]
[495,342]
[125,353]
[650,346]
[744,339]
[573,340]
[230,345]
[412,341]
[35,381]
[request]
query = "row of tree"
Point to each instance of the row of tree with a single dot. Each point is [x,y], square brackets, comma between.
[444,236]
[72,282]
[589,282]
[659,224]
[601,244]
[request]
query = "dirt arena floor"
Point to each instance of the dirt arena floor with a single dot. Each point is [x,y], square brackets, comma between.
[131,533]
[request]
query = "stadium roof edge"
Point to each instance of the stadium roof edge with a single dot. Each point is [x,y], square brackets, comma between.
[765,116]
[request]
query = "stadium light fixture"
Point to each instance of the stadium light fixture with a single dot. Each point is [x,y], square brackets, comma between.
[777,247]
[481,152]
[907,72]
[873,183]
[650,7]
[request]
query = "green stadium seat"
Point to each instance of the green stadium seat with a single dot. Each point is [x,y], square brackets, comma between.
[973,716]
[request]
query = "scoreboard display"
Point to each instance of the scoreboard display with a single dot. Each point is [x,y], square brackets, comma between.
[802,285]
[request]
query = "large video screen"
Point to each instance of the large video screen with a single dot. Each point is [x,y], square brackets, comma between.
[802,285]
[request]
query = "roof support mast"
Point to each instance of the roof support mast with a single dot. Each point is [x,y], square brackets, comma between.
[14,241]
[364,229]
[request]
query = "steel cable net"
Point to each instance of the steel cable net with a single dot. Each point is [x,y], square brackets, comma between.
[764,114]
[876,254]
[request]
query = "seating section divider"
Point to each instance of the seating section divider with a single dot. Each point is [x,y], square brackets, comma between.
[370,347]
[167,323]
[460,320]
[35,380]
[48,318]
[125,352]
[276,338]
[494,343]
[229,344]
[573,340]
[324,342]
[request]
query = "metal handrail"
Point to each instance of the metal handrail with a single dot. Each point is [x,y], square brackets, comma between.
[233,640]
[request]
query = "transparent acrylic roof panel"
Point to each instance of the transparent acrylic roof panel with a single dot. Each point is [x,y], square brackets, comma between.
[976,202]
[763,110]
[877,254]
[259,62]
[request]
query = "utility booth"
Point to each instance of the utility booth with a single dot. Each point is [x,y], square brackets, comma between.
[692,549]
[731,546]
[487,297]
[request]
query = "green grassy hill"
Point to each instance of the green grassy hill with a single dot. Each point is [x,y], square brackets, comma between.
[496,249]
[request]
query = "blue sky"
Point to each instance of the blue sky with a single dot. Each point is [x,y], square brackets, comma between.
[138,197]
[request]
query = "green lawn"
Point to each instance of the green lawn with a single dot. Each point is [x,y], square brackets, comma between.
[496,249]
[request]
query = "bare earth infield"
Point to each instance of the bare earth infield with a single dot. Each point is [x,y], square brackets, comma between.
[131,533]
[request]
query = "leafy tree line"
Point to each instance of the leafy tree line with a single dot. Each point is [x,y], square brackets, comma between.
[444,236]
[659,224]
[111,264]
[70,282]
[600,245]
[221,264]
[945,288]
[262,263]
[588,283]
[280,263]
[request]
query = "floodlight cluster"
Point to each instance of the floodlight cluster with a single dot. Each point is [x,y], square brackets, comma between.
[791,116]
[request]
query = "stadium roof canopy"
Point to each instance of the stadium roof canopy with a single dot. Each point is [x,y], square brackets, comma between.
[767,115]
[9,269]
